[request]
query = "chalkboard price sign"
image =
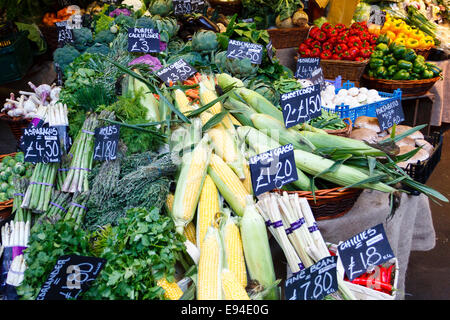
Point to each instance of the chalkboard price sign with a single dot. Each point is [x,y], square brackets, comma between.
[317,77]
[180,70]
[390,113]
[364,250]
[65,35]
[106,140]
[143,40]
[241,50]
[41,144]
[70,276]
[306,66]
[301,105]
[273,169]
[313,283]
[181,7]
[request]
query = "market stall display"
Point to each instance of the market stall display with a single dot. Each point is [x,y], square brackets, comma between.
[160,177]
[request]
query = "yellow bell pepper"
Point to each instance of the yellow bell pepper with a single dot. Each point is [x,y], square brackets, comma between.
[400,41]
[402,35]
[397,26]
[375,29]
[386,27]
[407,30]
[417,34]
[412,43]
[423,44]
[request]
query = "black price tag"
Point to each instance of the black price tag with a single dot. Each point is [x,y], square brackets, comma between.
[241,50]
[65,35]
[181,7]
[273,169]
[306,66]
[180,70]
[390,113]
[41,144]
[317,77]
[106,140]
[368,248]
[70,276]
[313,283]
[64,138]
[301,105]
[143,40]
[269,48]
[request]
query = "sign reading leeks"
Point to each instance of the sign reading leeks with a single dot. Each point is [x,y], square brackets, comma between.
[143,40]
[390,113]
[273,169]
[301,105]
[241,50]
[106,142]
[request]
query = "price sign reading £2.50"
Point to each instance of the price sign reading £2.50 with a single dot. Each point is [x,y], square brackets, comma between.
[368,248]
[143,40]
[273,169]
[390,113]
[241,50]
[301,105]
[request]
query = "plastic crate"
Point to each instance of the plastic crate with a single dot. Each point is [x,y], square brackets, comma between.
[16,59]
[337,82]
[368,110]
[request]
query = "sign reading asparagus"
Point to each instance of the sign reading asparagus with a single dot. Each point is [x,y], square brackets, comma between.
[41,144]
[273,169]
[301,105]
[70,276]
[315,282]
[65,35]
[106,141]
[241,50]
[143,40]
[306,66]
[180,70]
[366,249]
[390,113]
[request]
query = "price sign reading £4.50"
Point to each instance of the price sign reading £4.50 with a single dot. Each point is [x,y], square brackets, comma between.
[143,40]
[301,105]
[41,144]
[241,50]
[313,283]
[273,169]
[367,249]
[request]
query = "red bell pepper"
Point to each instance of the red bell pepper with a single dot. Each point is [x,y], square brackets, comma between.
[335,56]
[305,53]
[365,44]
[342,37]
[315,52]
[359,59]
[389,273]
[373,39]
[353,52]
[340,27]
[309,42]
[320,36]
[326,55]
[313,31]
[316,44]
[364,35]
[326,26]
[366,53]
[302,47]
[332,32]
[354,41]
[341,48]
[346,55]
[327,45]
[374,284]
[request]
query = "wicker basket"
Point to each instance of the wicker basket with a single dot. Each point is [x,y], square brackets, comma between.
[348,70]
[329,203]
[343,132]
[16,124]
[410,88]
[288,37]
[227,8]
[6,206]
[423,52]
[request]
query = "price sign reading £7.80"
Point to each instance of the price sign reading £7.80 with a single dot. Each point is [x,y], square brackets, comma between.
[143,40]
[301,105]
[367,249]
[180,70]
[273,169]
[241,50]
[315,282]
[390,113]
[41,144]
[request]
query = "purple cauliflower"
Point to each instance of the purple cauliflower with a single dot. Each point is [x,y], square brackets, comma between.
[117,12]
[153,62]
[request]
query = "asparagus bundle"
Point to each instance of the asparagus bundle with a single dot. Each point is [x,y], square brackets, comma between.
[20,187]
[58,205]
[16,271]
[37,196]
[77,207]
[82,157]
[62,170]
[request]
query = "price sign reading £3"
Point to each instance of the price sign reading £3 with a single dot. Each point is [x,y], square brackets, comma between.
[241,50]
[368,248]
[143,40]
[273,169]
[301,105]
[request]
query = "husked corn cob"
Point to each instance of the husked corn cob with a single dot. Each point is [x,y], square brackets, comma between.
[232,290]
[171,289]
[228,183]
[208,206]
[248,178]
[189,232]
[209,285]
[234,252]
[206,96]
[182,101]
[190,182]
[169,203]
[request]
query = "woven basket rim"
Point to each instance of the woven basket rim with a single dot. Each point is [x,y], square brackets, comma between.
[6,117]
[341,62]
[6,204]
[325,193]
[12,154]
[346,130]
[405,82]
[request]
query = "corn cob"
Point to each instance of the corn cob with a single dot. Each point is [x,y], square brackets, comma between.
[171,289]
[190,182]
[232,290]
[169,203]
[208,206]
[189,232]
[182,101]
[210,266]
[234,253]
[248,178]
[242,111]
[259,103]
[228,183]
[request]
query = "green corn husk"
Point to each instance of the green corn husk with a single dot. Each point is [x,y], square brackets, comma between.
[240,111]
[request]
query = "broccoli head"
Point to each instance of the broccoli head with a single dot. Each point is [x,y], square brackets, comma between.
[104,37]
[98,48]
[124,21]
[145,22]
[65,55]
[82,38]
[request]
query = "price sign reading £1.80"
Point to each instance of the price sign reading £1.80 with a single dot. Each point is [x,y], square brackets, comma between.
[143,40]
[301,105]
[241,50]
[273,169]
[106,140]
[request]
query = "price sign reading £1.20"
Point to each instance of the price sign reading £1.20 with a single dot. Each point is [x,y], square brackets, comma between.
[301,105]
[367,249]
[143,40]
[273,169]
[241,50]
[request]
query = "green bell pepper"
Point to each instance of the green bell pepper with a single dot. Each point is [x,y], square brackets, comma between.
[401,75]
[418,66]
[389,59]
[414,76]
[383,47]
[420,58]
[433,68]
[410,55]
[377,54]
[383,38]
[371,74]
[427,74]
[405,65]
[374,63]
[381,72]
[391,70]
[399,51]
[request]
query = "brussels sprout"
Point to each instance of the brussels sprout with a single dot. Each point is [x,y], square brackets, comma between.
[11,163]
[29,172]
[6,159]
[10,192]
[4,175]
[19,157]
[19,169]
[4,187]
[3,197]
[11,179]
[2,166]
